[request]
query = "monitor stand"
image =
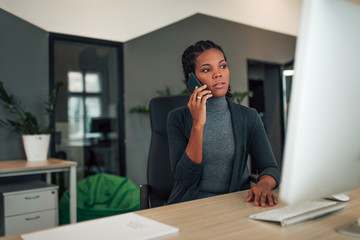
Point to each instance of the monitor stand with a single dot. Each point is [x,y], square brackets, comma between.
[351,229]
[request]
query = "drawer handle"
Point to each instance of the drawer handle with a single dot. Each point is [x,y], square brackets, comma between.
[33,218]
[34,197]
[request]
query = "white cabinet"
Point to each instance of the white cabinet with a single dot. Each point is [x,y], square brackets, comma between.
[26,207]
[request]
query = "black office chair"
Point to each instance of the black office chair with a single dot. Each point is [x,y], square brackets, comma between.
[159,176]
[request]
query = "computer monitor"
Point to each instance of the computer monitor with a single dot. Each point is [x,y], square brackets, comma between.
[322,144]
[102,125]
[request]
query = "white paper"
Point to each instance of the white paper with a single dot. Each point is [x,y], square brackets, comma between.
[124,226]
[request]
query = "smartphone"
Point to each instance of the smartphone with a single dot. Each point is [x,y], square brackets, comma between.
[193,82]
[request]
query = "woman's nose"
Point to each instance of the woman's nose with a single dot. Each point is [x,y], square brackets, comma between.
[217,74]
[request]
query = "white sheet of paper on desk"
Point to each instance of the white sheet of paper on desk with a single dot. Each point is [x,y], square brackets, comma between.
[124,226]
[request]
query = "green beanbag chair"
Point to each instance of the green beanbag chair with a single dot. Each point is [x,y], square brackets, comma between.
[99,196]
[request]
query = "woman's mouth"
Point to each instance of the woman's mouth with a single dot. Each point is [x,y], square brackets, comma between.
[219,85]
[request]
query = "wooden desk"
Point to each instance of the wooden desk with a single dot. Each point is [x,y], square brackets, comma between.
[226,217]
[23,167]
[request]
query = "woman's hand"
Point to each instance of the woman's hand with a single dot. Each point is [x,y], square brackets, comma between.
[261,193]
[197,105]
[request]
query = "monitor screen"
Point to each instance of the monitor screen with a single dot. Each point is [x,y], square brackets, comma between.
[103,125]
[322,144]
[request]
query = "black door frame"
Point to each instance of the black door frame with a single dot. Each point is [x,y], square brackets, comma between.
[120,91]
[274,70]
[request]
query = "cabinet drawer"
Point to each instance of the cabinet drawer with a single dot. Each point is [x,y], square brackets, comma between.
[31,222]
[30,201]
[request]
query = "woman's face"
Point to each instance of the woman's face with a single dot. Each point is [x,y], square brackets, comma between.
[211,69]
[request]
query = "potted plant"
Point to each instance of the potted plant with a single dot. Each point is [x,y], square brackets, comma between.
[36,138]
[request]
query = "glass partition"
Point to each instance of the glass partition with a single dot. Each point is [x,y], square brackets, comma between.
[89,108]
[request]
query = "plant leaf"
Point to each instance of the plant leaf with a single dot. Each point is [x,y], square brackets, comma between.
[139,109]
[26,123]
[8,99]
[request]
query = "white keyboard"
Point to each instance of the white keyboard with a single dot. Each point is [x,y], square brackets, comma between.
[298,212]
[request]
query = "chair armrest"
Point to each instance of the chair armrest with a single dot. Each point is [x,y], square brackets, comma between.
[144,196]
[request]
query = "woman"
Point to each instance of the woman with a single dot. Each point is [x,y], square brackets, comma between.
[210,138]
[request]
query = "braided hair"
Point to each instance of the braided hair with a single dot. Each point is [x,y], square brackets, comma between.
[192,52]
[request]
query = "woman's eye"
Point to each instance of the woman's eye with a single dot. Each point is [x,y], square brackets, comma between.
[223,66]
[206,70]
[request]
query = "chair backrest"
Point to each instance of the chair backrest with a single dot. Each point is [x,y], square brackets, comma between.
[159,176]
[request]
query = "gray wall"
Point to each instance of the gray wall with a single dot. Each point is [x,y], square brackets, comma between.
[150,62]
[154,60]
[24,71]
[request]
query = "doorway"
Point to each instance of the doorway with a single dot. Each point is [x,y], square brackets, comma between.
[271,95]
[89,111]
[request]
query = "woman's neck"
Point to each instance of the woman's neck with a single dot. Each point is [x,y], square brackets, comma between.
[216,104]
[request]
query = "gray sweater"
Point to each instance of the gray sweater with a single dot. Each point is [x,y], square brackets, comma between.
[218,149]
[250,138]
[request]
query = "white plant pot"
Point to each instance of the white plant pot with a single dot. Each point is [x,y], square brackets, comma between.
[36,147]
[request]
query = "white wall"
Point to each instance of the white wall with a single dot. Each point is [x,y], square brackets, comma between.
[122,20]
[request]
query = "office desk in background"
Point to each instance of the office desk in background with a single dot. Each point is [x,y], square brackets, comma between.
[23,167]
[226,217]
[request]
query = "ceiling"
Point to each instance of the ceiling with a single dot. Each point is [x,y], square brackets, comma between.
[123,20]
